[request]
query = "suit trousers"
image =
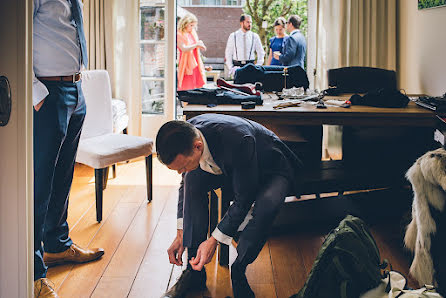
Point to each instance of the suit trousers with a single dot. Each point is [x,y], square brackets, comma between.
[268,201]
[57,128]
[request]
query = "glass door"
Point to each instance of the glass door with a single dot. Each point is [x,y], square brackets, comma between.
[157,42]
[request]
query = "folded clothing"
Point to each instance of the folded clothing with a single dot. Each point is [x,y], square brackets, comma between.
[216,96]
[272,77]
[120,117]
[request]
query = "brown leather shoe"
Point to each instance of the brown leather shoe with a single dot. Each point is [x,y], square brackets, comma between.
[74,254]
[43,289]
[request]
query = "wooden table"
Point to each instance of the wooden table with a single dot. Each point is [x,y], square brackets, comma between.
[410,116]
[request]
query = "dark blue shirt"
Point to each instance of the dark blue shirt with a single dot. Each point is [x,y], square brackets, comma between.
[276,44]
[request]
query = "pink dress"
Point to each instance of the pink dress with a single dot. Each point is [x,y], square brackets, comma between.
[190,66]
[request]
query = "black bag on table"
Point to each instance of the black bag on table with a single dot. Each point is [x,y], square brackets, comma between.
[348,263]
[381,98]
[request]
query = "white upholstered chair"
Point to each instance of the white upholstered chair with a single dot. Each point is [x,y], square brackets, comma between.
[99,146]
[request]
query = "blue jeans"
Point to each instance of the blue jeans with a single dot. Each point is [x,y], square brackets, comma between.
[57,128]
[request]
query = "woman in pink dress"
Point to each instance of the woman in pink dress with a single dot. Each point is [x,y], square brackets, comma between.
[190,67]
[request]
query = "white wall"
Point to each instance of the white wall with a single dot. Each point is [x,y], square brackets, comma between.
[421,49]
[16,152]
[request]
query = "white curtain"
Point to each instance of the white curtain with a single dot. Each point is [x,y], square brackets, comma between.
[112,32]
[127,60]
[353,33]
[98,19]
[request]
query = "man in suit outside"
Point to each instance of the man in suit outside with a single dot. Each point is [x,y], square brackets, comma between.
[295,46]
[242,46]
[242,156]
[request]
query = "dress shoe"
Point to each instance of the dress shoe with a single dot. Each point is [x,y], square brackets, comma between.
[74,254]
[240,285]
[190,280]
[43,289]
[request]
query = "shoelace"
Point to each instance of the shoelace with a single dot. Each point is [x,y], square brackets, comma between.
[46,282]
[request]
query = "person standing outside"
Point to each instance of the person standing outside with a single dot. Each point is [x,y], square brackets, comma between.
[295,47]
[276,42]
[59,51]
[242,46]
[190,66]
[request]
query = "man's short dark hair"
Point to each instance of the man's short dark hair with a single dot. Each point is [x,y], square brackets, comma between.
[244,16]
[174,138]
[295,21]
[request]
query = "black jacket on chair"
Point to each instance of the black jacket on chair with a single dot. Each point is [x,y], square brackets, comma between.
[358,79]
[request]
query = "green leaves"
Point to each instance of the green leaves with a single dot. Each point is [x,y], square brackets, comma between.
[270,10]
[430,3]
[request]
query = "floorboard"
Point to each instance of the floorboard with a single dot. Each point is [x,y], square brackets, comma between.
[136,234]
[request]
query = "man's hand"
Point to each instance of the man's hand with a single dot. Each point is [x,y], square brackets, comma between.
[276,55]
[176,249]
[205,253]
[39,105]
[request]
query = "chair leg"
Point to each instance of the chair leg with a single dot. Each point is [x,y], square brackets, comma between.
[149,177]
[106,170]
[213,211]
[99,185]
[223,248]
[114,170]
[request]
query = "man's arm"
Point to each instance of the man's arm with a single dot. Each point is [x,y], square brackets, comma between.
[180,204]
[40,92]
[289,51]
[176,249]
[39,89]
[229,52]
[245,183]
[259,50]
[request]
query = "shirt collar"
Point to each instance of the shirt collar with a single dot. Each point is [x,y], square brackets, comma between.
[295,30]
[207,163]
[206,153]
[241,31]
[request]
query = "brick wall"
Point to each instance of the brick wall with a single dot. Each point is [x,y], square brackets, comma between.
[214,26]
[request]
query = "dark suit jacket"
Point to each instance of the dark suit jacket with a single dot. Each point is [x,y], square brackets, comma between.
[248,155]
[294,49]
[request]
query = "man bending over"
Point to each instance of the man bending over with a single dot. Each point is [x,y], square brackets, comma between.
[213,151]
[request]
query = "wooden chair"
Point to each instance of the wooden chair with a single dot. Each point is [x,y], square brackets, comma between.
[99,146]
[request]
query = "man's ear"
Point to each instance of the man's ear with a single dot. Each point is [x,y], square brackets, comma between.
[198,144]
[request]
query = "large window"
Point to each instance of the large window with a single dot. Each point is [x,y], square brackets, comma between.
[153,56]
[211,2]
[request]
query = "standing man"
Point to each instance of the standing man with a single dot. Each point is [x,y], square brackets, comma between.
[242,46]
[295,46]
[250,162]
[59,51]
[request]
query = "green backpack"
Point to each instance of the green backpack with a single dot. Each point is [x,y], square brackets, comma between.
[348,263]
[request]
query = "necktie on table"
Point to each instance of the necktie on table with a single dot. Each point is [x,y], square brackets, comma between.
[77,16]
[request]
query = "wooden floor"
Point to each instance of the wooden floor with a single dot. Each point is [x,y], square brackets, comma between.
[136,235]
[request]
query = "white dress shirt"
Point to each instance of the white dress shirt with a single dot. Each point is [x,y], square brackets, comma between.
[56,49]
[208,164]
[248,45]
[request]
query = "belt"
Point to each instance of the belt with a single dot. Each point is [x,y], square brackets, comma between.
[241,62]
[73,78]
